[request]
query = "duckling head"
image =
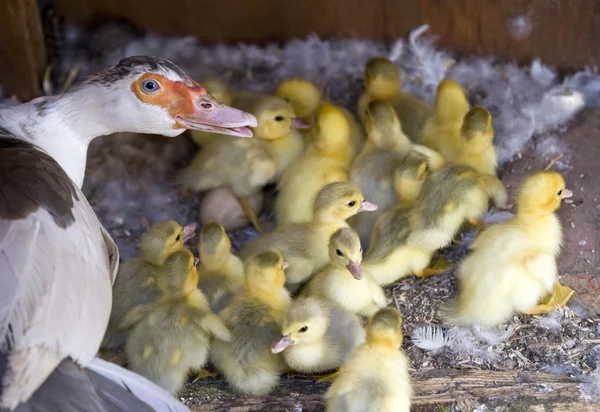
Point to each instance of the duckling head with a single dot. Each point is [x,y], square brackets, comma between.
[218,89]
[385,328]
[451,104]
[409,178]
[382,78]
[179,275]
[306,321]
[276,118]
[345,251]
[214,246]
[383,127]
[477,132]
[332,130]
[164,238]
[541,193]
[340,200]
[265,272]
[301,94]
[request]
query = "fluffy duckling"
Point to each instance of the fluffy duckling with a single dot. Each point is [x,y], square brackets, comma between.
[375,377]
[343,282]
[317,336]
[305,98]
[221,273]
[247,165]
[305,245]
[327,160]
[136,280]
[254,317]
[218,89]
[383,82]
[182,314]
[373,169]
[512,267]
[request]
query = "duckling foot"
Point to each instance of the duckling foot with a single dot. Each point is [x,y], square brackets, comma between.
[250,213]
[557,299]
[441,265]
[326,378]
[204,373]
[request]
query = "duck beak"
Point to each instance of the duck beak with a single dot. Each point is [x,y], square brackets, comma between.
[299,124]
[189,231]
[285,265]
[280,344]
[355,270]
[366,206]
[208,115]
[567,194]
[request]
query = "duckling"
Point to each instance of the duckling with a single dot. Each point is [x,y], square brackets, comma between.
[375,377]
[373,169]
[343,281]
[218,89]
[254,317]
[182,314]
[221,273]
[327,160]
[305,98]
[316,336]
[222,206]
[247,165]
[512,267]
[135,283]
[383,82]
[305,245]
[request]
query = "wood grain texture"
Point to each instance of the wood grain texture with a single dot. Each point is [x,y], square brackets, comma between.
[22,50]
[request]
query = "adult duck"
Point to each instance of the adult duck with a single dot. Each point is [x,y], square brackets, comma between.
[57,262]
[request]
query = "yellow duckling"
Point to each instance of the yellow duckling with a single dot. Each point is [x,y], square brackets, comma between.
[327,160]
[171,336]
[305,98]
[136,280]
[220,91]
[373,169]
[512,267]
[375,377]
[305,245]
[221,273]
[254,317]
[343,282]
[317,336]
[383,82]
[247,165]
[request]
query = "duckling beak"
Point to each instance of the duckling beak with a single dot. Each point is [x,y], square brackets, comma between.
[567,194]
[280,344]
[355,270]
[189,231]
[366,206]
[285,265]
[299,124]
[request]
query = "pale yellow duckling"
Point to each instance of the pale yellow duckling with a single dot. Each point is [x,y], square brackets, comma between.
[136,280]
[327,160]
[254,317]
[305,245]
[305,98]
[343,282]
[383,82]
[512,267]
[375,377]
[171,336]
[218,89]
[317,336]
[221,273]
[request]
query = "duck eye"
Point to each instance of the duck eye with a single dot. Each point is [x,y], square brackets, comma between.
[303,329]
[559,192]
[178,237]
[339,252]
[279,118]
[150,86]
[352,203]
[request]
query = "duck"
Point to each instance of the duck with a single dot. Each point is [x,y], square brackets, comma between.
[221,273]
[135,283]
[45,296]
[305,245]
[182,313]
[254,317]
[383,82]
[343,282]
[375,376]
[512,266]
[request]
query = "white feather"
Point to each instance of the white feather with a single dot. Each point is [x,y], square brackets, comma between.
[429,337]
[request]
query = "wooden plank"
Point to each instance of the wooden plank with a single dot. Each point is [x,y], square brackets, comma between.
[561,32]
[22,50]
[434,390]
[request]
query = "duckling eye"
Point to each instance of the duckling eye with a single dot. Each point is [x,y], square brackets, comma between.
[303,329]
[559,192]
[339,252]
[178,237]
[279,118]
[352,203]
[150,86]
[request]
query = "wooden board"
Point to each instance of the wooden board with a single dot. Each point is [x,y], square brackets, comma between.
[563,33]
